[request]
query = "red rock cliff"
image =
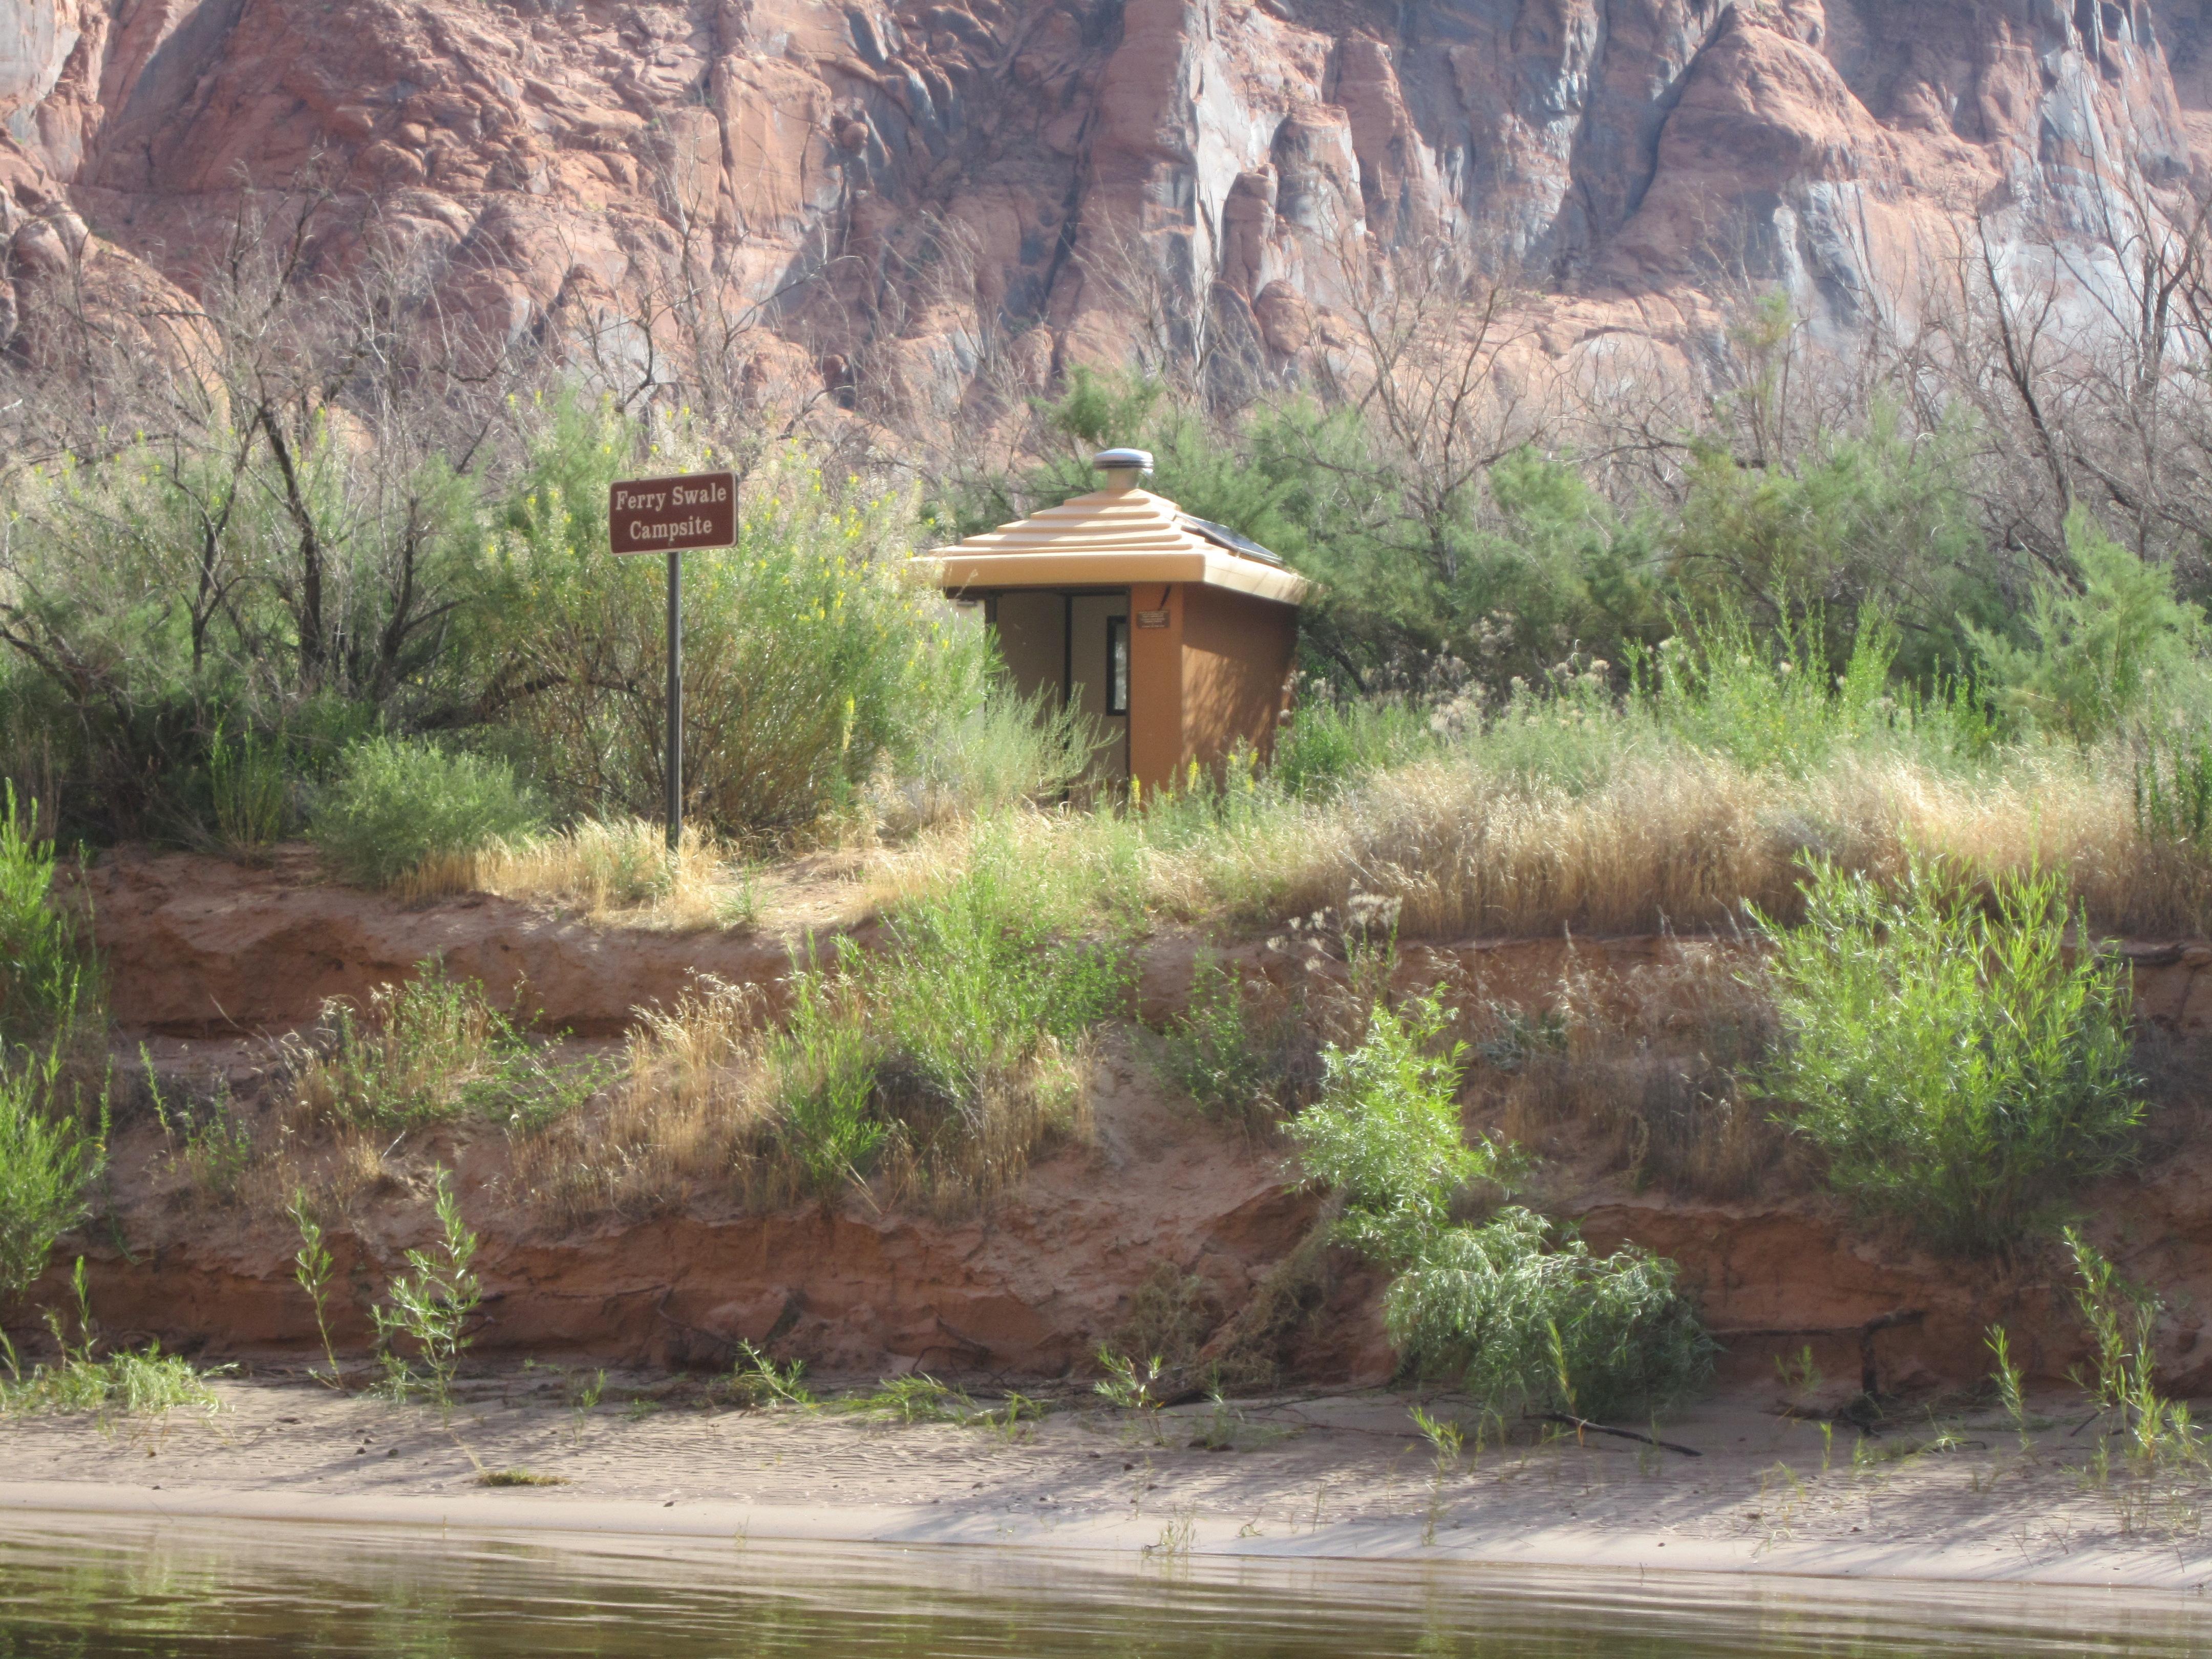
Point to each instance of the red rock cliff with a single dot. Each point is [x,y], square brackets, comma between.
[1006,182]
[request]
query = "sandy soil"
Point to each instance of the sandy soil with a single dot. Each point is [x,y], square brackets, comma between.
[1310,1474]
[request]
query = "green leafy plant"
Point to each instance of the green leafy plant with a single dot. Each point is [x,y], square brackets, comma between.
[758,1379]
[1330,742]
[1228,1053]
[396,803]
[1386,1132]
[208,1139]
[1523,1318]
[950,1054]
[311,1268]
[1521,1315]
[1447,1442]
[2010,1394]
[1959,1066]
[2173,788]
[46,1162]
[146,1382]
[915,1398]
[45,978]
[2122,1321]
[2102,647]
[431,1307]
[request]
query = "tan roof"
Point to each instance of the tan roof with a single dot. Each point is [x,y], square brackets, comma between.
[1110,538]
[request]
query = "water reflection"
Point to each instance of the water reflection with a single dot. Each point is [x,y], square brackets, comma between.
[84,1586]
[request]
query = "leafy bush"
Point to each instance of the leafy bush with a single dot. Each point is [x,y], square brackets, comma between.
[1523,1316]
[811,652]
[2101,651]
[43,970]
[429,1050]
[1960,1067]
[1386,1133]
[397,803]
[45,1164]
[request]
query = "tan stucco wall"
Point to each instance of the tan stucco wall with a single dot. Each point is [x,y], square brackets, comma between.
[1236,657]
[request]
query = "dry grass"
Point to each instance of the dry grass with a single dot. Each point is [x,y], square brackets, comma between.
[617,871]
[1665,836]
[692,1117]
[707,1111]
[1640,1069]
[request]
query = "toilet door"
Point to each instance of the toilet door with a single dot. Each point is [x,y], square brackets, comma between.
[1098,673]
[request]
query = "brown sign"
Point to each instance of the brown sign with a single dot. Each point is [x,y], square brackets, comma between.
[1152,619]
[656,515]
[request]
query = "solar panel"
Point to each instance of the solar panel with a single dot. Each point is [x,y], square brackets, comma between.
[1222,536]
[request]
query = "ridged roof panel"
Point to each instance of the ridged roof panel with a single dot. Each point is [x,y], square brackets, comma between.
[1108,525]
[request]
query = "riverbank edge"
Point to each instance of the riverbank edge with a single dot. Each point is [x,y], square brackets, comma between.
[1146,1538]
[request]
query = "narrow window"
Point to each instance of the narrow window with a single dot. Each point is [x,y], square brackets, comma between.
[1117,665]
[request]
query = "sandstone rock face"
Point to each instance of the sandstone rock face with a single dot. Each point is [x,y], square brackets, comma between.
[1009,183]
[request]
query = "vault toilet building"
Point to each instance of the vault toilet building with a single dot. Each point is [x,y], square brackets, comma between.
[1175,635]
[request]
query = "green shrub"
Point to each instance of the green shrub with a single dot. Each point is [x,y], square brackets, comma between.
[2102,650]
[1386,1134]
[46,1162]
[1960,1068]
[811,652]
[44,972]
[396,803]
[431,1051]
[1523,1318]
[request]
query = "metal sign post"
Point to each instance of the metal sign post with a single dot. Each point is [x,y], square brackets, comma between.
[667,515]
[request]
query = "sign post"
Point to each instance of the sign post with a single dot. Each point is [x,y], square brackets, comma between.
[667,515]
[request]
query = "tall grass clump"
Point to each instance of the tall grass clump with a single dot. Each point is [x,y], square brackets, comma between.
[1005,751]
[1329,742]
[396,804]
[931,1066]
[600,869]
[950,1056]
[429,1050]
[1958,1064]
[1235,1050]
[691,1115]
[1519,1313]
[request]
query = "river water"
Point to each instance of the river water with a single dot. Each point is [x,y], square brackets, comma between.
[83,1585]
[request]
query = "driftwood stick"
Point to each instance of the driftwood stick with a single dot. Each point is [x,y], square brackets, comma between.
[1583,1425]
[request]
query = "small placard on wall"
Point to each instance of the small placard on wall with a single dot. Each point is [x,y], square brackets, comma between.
[1152,619]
